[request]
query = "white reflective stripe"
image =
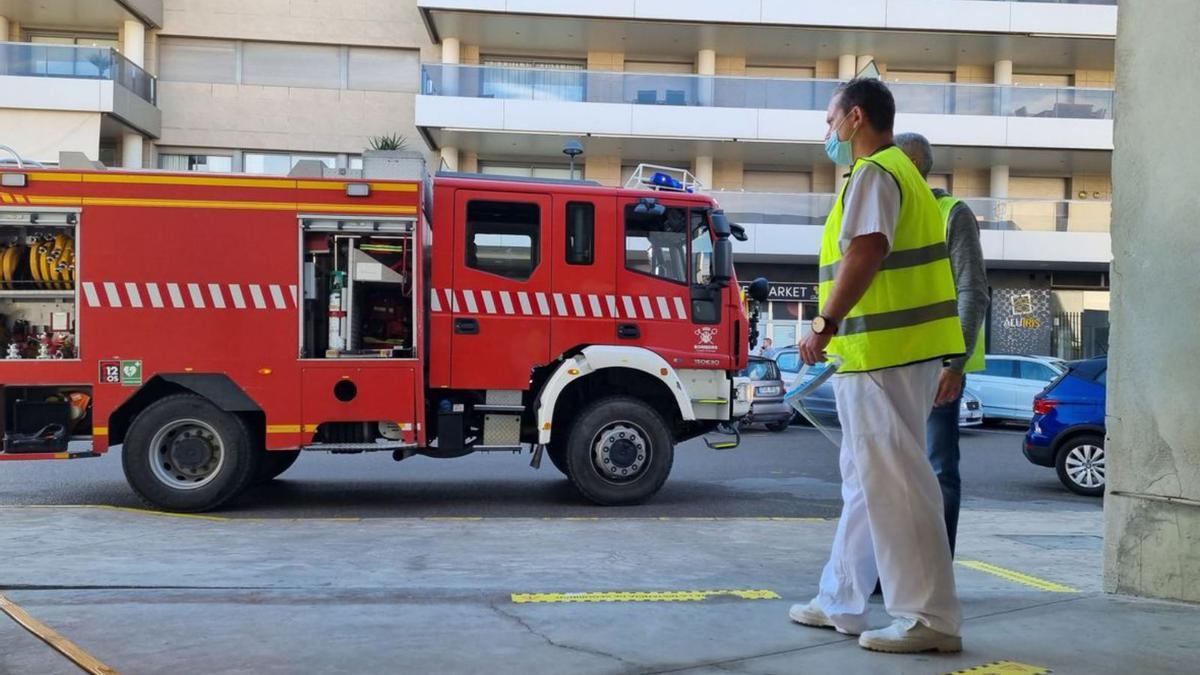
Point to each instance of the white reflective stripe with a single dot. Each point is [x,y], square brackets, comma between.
[435,302]
[449,300]
[560,305]
[197,296]
[218,299]
[488,303]
[630,312]
[135,298]
[176,296]
[680,310]
[277,296]
[647,310]
[506,300]
[89,289]
[469,296]
[235,292]
[612,306]
[294,291]
[453,300]
[596,311]
[526,308]
[155,296]
[543,304]
[257,295]
[663,308]
[114,297]
[577,301]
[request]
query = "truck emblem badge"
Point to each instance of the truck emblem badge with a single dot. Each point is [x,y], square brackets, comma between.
[707,337]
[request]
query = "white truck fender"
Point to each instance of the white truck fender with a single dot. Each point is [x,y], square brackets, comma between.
[592,359]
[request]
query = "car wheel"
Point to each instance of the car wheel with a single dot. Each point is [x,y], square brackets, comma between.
[1080,465]
[182,453]
[619,451]
[272,464]
[778,426]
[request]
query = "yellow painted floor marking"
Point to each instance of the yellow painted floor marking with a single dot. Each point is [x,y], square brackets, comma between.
[644,596]
[1017,577]
[163,514]
[1003,668]
[62,645]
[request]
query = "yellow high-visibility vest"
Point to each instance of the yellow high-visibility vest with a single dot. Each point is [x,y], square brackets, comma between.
[975,363]
[910,312]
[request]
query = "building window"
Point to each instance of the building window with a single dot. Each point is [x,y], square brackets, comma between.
[187,60]
[656,244]
[503,238]
[384,69]
[204,163]
[291,65]
[532,79]
[526,170]
[581,233]
[280,163]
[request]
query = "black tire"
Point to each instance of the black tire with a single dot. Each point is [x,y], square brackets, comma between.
[649,463]
[558,457]
[1080,465]
[272,464]
[185,426]
[779,426]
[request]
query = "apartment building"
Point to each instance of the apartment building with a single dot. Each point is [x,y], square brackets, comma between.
[1016,95]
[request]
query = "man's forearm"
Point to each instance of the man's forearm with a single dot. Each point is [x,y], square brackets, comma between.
[855,274]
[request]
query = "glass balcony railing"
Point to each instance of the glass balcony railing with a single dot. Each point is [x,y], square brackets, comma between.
[546,84]
[1070,2]
[1024,215]
[26,59]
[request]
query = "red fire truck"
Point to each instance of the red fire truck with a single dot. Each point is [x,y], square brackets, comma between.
[214,327]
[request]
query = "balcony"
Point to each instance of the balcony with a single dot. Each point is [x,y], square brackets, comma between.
[489,98]
[1015,232]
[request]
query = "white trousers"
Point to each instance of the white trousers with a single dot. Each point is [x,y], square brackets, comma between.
[892,526]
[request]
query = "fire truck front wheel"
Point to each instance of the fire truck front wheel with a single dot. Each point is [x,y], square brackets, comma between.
[619,451]
[182,453]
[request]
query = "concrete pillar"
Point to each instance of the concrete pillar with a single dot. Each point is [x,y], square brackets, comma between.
[999,183]
[847,66]
[133,42]
[1152,505]
[706,65]
[131,150]
[450,158]
[451,57]
[4,28]
[1002,72]
[863,61]
[702,169]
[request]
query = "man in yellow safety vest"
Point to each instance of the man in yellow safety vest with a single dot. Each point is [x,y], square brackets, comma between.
[888,310]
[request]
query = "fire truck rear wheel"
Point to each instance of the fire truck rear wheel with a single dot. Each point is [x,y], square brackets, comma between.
[619,451]
[182,453]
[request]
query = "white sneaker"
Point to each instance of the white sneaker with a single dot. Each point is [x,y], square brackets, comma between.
[909,636]
[812,615]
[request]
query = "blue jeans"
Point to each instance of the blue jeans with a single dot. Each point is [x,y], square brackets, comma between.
[941,443]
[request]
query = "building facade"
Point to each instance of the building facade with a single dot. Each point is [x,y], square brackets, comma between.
[1016,95]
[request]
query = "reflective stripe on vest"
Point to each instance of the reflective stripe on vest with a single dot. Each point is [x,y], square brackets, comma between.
[976,363]
[910,312]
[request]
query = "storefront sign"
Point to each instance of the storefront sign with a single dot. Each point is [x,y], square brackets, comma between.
[786,290]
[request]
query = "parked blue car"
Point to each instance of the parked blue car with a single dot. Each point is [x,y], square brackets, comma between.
[1067,431]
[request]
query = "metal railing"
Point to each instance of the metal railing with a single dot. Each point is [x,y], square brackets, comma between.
[1024,215]
[26,59]
[1069,2]
[544,84]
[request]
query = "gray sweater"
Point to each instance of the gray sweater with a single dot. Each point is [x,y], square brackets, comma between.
[970,275]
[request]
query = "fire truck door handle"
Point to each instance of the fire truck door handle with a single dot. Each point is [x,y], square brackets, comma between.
[629,331]
[466,326]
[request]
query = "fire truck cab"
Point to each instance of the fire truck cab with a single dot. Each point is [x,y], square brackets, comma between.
[215,327]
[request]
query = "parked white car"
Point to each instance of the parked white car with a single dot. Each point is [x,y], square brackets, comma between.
[1007,386]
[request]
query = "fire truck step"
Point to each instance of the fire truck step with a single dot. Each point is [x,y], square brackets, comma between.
[711,401]
[488,407]
[358,447]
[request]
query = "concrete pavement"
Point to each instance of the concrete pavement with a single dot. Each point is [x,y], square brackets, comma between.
[149,593]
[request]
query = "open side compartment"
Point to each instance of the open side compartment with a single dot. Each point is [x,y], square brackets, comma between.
[38,284]
[358,281]
[40,419]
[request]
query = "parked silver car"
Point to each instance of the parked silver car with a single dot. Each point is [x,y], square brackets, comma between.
[768,407]
[1007,386]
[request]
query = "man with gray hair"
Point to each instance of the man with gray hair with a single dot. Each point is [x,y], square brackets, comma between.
[970,280]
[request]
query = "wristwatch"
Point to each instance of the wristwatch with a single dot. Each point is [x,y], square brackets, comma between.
[823,325]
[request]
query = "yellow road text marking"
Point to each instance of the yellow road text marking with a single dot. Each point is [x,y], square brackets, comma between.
[643,596]
[1017,577]
[62,645]
[1003,668]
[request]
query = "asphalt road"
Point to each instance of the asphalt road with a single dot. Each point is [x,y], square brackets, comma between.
[789,474]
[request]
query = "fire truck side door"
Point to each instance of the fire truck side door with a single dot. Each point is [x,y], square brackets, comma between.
[585,265]
[500,304]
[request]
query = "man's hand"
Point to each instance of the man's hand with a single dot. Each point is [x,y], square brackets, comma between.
[812,348]
[950,387]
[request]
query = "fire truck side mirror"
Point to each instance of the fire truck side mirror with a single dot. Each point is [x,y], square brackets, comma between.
[759,290]
[722,261]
